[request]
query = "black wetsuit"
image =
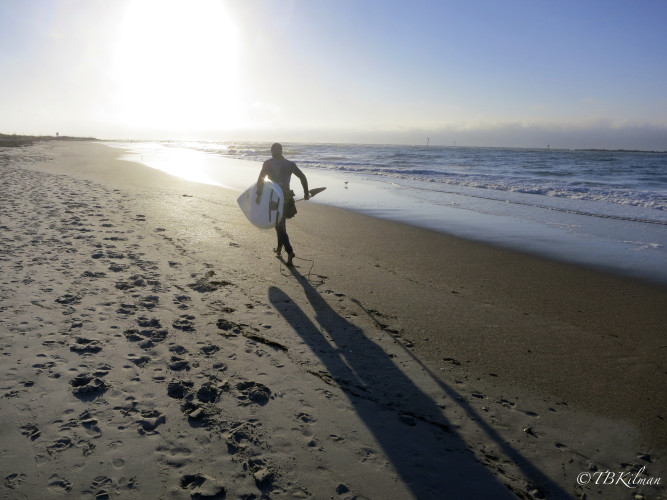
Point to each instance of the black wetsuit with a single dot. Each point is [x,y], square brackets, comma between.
[280,170]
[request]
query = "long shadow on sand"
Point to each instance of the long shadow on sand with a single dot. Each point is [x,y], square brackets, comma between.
[430,457]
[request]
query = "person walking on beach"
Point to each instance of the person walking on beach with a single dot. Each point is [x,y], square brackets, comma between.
[280,170]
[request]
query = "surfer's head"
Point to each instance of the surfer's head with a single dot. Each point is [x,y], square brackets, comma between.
[277,150]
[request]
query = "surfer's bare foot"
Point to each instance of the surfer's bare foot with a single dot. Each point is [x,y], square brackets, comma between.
[289,262]
[278,251]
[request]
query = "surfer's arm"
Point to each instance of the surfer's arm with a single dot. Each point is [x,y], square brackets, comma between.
[304,181]
[260,181]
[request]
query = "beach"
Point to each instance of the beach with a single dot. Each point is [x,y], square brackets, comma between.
[154,347]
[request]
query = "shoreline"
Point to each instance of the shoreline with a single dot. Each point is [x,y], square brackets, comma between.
[566,232]
[382,330]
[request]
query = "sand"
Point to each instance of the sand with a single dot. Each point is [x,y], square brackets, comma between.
[153,346]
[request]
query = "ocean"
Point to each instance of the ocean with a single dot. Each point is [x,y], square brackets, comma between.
[602,209]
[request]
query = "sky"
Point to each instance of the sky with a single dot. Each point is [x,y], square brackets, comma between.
[516,73]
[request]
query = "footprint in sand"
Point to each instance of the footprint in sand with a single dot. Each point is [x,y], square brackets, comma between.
[179,389]
[182,301]
[262,474]
[507,404]
[127,309]
[87,447]
[149,421]
[178,349]
[306,418]
[207,284]
[15,480]
[229,327]
[202,486]
[59,486]
[336,439]
[133,335]
[241,436]
[209,349]
[136,280]
[68,299]
[93,275]
[149,335]
[341,489]
[177,363]
[185,322]
[140,361]
[89,423]
[31,431]
[208,393]
[149,302]
[85,346]
[253,392]
[59,445]
[306,431]
[145,322]
[198,415]
[176,457]
[99,487]
[86,386]
[116,238]
[48,366]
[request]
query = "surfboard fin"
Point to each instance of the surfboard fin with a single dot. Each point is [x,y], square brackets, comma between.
[313,192]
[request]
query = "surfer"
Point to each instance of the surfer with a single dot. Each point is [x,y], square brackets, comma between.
[280,170]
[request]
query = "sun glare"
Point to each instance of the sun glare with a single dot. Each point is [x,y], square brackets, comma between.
[177,66]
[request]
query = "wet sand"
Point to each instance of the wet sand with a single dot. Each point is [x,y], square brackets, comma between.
[153,346]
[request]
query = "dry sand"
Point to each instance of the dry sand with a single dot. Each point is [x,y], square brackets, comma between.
[154,347]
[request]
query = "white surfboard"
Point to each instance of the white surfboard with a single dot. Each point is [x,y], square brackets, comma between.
[269,210]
